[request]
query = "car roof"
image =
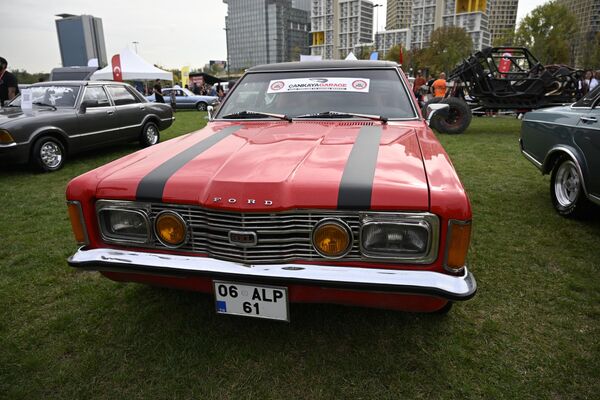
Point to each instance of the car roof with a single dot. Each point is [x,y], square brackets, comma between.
[317,65]
[78,83]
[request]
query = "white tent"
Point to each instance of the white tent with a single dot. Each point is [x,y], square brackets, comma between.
[133,68]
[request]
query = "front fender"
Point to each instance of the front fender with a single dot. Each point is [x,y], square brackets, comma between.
[574,154]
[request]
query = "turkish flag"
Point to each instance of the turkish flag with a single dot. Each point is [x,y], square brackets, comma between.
[401,56]
[116,68]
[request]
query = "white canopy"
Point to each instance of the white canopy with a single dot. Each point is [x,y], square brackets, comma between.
[133,68]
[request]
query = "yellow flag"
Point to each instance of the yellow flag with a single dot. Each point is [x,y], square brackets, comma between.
[185,75]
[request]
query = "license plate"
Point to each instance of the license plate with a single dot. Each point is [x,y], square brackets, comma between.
[268,302]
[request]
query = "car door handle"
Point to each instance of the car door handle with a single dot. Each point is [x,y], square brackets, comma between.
[142,108]
[588,119]
[110,112]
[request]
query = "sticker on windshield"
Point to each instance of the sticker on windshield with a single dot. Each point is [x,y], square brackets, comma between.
[359,85]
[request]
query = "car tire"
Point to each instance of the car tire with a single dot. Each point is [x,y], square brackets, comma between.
[150,135]
[458,119]
[566,189]
[48,154]
[201,106]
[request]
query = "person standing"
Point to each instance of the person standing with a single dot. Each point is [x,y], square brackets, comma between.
[595,81]
[9,87]
[419,81]
[158,96]
[439,86]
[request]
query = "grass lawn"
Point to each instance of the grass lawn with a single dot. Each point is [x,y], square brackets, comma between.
[532,331]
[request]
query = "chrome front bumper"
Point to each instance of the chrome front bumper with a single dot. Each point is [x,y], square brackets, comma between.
[449,287]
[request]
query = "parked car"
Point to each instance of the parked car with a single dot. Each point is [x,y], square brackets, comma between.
[186,99]
[315,182]
[72,116]
[565,143]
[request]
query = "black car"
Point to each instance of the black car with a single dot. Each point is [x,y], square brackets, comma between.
[73,116]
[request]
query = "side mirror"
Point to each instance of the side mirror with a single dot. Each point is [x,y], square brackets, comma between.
[436,108]
[210,110]
[87,103]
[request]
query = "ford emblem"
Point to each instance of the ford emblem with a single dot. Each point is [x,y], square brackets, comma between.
[243,238]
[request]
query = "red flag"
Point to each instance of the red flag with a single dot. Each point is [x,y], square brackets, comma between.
[401,57]
[116,68]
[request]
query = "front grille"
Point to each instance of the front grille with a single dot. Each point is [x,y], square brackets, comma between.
[282,237]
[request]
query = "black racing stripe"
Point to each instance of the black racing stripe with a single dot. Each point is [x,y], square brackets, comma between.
[357,180]
[151,186]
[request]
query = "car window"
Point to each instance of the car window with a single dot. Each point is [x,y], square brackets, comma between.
[98,94]
[589,99]
[295,93]
[58,96]
[121,95]
[180,93]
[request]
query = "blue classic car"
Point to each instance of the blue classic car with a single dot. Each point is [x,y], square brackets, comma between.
[186,99]
[565,142]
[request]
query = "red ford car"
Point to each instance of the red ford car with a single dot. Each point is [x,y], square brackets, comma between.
[314,182]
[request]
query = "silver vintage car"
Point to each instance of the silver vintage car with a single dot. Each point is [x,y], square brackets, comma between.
[72,116]
[186,99]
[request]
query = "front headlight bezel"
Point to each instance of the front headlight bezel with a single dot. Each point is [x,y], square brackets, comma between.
[141,209]
[425,220]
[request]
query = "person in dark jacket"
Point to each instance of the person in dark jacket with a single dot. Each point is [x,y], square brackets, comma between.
[9,86]
[158,96]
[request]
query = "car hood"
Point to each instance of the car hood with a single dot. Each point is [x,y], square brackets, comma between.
[8,115]
[258,166]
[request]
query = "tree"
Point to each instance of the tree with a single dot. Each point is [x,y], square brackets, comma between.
[591,58]
[547,32]
[448,46]
[364,52]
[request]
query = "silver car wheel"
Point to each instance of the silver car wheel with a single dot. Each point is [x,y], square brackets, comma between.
[567,184]
[151,135]
[51,154]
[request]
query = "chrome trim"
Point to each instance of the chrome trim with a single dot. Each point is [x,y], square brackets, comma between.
[594,198]
[556,123]
[102,205]
[531,159]
[85,231]
[180,218]
[451,287]
[447,249]
[106,130]
[344,226]
[3,145]
[433,227]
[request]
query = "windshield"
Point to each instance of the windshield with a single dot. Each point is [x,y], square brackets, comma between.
[57,96]
[301,93]
[588,99]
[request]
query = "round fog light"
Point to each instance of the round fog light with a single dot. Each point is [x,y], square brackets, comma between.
[332,238]
[170,229]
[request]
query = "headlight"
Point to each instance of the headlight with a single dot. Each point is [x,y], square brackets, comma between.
[122,224]
[406,237]
[332,238]
[170,228]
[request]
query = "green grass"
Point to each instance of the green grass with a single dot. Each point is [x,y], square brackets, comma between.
[532,331]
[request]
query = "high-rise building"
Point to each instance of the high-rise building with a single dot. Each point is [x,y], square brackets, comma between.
[587,13]
[428,15]
[398,14]
[387,39]
[339,25]
[80,38]
[265,31]
[503,17]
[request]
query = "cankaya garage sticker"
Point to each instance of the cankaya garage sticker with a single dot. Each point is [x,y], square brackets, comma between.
[359,85]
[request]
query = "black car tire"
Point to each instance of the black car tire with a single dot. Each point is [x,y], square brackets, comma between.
[458,119]
[566,189]
[201,106]
[48,154]
[150,135]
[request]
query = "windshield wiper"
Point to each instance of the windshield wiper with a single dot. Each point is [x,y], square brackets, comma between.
[250,114]
[334,114]
[38,103]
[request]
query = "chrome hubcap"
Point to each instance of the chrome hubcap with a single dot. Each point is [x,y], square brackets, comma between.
[151,134]
[51,155]
[567,185]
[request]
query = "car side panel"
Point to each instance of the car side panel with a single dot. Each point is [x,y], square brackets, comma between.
[587,139]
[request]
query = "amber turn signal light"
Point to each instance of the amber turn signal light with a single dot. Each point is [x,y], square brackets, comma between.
[332,239]
[77,223]
[458,239]
[5,137]
[170,229]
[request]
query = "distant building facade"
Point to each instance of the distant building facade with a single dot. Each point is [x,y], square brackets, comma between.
[387,39]
[398,14]
[503,18]
[265,31]
[587,13]
[337,26]
[80,38]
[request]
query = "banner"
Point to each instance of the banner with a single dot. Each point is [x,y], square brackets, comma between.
[185,76]
[116,68]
